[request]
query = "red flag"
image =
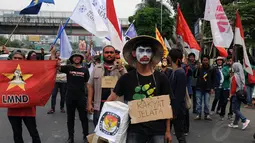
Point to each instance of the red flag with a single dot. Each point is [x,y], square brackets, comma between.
[184,31]
[113,26]
[222,51]
[26,83]
[239,40]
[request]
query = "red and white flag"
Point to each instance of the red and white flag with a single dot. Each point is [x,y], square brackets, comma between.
[239,40]
[113,26]
[221,29]
[222,51]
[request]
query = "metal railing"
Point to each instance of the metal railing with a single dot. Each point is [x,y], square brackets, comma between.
[44,17]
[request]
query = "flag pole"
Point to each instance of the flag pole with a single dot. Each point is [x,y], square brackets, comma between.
[13,30]
[211,50]
[161,22]
[61,30]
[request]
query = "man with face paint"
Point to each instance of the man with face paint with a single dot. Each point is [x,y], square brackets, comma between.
[144,53]
[95,91]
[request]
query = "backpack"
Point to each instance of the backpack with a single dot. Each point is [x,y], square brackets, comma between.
[251,78]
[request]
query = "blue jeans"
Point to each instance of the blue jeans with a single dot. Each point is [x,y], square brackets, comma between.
[236,109]
[249,90]
[200,96]
[143,138]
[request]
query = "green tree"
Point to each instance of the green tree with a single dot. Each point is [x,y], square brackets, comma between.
[246,10]
[148,16]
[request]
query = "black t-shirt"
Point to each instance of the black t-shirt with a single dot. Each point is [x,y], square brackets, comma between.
[128,86]
[106,92]
[76,78]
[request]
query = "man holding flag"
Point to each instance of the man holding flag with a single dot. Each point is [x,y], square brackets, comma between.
[77,78]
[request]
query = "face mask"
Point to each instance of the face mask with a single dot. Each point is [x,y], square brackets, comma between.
[143,54]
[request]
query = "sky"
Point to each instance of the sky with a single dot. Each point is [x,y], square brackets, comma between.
[124,8]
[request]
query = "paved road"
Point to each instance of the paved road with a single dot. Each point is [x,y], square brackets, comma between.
[52,129]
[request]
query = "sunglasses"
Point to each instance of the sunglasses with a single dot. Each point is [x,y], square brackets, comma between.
[109,52]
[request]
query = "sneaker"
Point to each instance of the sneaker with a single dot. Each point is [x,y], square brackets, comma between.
[186,134]
[52,111]
[232,125]
[245,125]
[230,117]
[212,113]
[208,118]
[198,117]
[222,118]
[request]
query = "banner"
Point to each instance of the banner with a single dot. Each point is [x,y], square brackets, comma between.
[221,29]
[26,83]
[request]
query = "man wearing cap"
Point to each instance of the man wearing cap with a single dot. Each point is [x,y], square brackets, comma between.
[95,90]
[218,84]
[77,77]
[27,115]
[144,53]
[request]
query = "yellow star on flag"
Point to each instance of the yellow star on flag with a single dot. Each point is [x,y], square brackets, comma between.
[21,83]
[36,2]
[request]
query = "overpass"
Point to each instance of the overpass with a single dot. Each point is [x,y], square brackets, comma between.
[45,23]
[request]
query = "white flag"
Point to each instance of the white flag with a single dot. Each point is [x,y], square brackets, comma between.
[167,44]
[221,29]
[65,46]
[100,6]
[86,16]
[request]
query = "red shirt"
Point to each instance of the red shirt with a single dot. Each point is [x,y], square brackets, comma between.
[22,112]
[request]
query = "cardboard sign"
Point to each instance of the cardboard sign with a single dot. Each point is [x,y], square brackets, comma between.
[109,81]
[93,138]
[150,109]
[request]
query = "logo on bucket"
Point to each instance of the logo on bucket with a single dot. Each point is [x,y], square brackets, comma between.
[109,123]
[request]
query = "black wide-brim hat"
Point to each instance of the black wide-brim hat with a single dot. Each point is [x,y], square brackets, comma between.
[132,44]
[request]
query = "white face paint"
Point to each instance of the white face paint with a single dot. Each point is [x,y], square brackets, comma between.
[143,54]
